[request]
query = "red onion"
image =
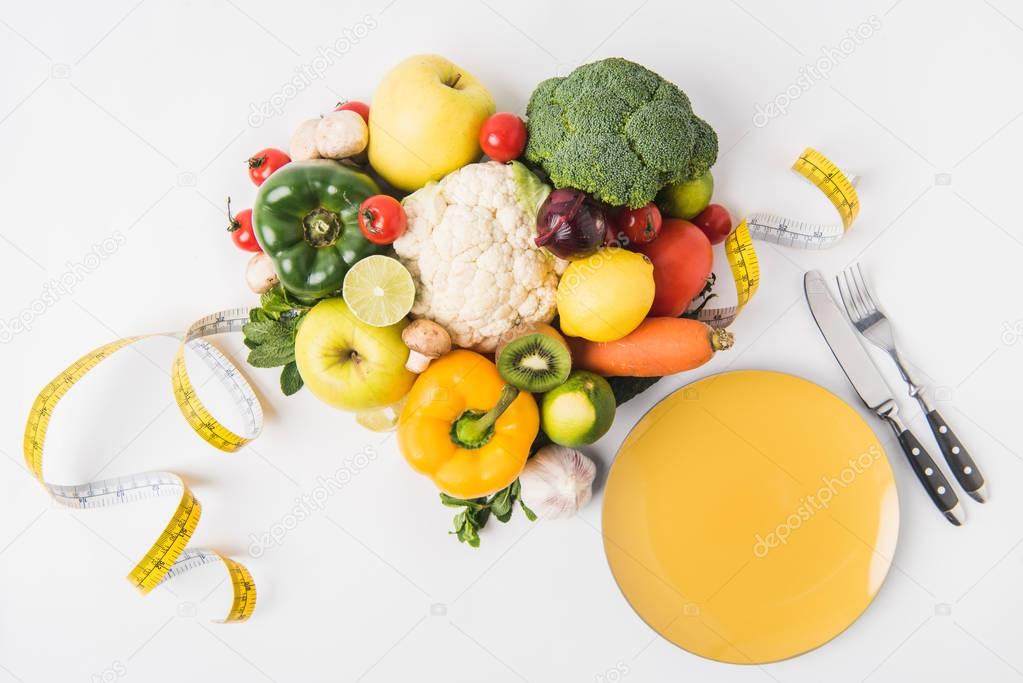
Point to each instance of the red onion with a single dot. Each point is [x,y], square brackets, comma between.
[570,224]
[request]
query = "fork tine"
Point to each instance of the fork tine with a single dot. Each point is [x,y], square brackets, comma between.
[861,285]
[846,300]
[854,293]
[854,296]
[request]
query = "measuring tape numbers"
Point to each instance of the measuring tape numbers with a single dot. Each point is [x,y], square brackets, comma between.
[742,257]
[168,556]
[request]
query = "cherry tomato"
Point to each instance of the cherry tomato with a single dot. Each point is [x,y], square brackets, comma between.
[683,259]
[715,223]
[640,226]
[264,162]
[240,227]
[381,219]
[360,108]
[503,136]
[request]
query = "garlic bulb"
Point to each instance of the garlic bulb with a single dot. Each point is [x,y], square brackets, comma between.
[557,481]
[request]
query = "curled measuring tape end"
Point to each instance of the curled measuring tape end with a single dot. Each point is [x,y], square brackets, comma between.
[168,557]
[836,187]
[839,189]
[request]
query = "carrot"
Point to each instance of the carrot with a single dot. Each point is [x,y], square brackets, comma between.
[659,346]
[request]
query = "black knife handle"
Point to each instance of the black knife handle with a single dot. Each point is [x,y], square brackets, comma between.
[931,477]
[959,461]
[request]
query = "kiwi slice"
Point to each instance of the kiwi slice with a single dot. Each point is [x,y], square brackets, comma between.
[536,358]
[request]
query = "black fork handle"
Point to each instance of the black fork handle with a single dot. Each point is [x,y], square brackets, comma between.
[958,458]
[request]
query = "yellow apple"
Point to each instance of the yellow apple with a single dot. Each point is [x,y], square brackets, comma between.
[425,121]
[349,364]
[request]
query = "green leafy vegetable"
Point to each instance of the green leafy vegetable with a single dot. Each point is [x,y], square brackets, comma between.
[276,301]
[291,380]
[476,512]
[270,336]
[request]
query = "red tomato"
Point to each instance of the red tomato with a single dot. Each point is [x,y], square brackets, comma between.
[683,260]
[715,223]
[640,226]
[381,219]
[264,162]
[503,136]
[240,227]
[360,108]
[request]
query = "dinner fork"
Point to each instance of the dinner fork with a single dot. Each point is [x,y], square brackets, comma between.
[871,322]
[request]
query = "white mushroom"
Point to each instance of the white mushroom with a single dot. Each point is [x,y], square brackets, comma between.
[426,340]
[303,143]
[341,134]
[260,274]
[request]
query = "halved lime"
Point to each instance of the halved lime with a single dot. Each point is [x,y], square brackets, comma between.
[381,419]
[379,290]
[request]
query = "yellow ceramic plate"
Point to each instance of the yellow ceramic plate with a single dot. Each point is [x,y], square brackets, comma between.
[750,517]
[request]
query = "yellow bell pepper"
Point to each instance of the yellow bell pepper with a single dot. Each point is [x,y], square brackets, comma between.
[463,427]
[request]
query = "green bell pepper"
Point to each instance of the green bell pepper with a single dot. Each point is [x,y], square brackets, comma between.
[306,219]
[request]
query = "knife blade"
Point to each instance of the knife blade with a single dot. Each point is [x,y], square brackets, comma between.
[873,390]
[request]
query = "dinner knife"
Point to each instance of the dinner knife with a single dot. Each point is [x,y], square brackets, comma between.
[875,393]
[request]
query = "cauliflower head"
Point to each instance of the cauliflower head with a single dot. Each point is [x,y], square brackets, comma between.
[469,246]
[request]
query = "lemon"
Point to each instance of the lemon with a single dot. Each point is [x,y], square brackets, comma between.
[379,290]
[605,296]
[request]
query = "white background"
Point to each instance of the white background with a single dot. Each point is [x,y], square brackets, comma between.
[133,118]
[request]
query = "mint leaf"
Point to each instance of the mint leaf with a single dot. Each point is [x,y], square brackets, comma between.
[276,301]
[501,504]
[530,515]
[272,344]
[452,502]
[476,512]
[262,331]
[291,379]
[460,520]
[466,529]
[271,355]
[258,315]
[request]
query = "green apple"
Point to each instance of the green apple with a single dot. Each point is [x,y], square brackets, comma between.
[686,200]
[578,412]
[425,121]
[349,364]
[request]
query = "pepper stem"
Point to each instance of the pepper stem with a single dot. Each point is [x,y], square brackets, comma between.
[321,227]
[473,429]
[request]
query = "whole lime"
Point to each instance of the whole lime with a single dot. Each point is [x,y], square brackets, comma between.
[686,200]
[578,412]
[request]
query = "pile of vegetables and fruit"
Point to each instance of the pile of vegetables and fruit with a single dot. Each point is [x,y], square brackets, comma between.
[494,312]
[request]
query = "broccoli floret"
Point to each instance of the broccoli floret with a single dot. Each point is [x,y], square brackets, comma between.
[705,150]
[618,131]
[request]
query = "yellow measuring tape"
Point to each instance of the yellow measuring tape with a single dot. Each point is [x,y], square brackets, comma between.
[168,556]
[742,257]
